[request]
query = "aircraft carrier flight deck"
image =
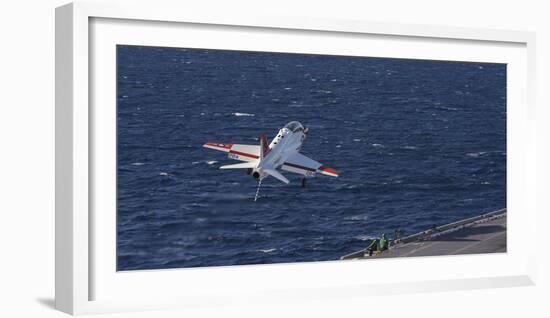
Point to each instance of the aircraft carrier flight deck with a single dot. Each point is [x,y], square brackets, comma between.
[478,235]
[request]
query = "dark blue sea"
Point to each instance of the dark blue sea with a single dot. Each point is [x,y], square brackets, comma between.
[418,143]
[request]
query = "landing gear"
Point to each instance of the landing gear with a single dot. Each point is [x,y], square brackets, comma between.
[303,182]
[249,171]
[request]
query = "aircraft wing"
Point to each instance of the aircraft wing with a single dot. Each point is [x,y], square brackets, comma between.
[301,164]
[237,151]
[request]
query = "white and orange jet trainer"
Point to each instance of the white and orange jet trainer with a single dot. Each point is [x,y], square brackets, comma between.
[283,152]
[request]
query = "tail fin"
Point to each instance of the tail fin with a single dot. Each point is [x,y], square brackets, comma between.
[264,146]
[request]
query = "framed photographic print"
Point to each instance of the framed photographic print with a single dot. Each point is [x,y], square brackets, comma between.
[200,158]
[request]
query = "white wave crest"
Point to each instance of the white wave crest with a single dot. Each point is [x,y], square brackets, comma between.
[269,250]
[243,114]
[476,154]
[360,217]
[365,237]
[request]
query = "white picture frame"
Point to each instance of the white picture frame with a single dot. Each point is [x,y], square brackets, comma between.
[76,251]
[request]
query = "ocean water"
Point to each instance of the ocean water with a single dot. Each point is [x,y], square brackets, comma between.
[418,143]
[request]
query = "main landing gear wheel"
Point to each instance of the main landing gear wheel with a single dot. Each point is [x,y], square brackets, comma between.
[303,182]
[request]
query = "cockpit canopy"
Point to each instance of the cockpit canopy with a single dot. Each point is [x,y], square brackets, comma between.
[294,126]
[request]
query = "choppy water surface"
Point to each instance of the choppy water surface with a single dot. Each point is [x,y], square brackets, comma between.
[417,143]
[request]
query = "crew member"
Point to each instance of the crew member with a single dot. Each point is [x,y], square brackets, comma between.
[373,245]
[378,245]
[382,243]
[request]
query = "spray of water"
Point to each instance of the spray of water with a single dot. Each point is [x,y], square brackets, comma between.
[258,191]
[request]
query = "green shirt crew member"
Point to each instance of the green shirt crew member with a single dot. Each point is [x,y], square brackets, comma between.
[383,243]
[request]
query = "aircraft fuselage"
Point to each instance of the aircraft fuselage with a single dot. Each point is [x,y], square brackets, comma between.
[284,145]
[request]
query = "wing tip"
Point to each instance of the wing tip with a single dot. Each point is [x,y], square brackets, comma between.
[218,146]
[329,171]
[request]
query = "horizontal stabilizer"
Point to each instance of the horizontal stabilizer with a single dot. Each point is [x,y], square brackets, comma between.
[244,165]
[276,174]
